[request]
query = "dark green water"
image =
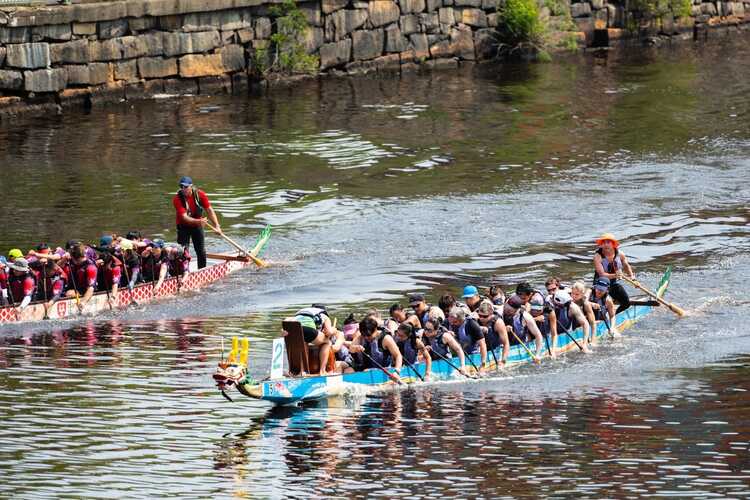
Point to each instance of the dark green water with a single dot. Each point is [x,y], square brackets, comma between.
[376,188]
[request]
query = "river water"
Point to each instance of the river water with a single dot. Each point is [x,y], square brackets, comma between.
[377,187]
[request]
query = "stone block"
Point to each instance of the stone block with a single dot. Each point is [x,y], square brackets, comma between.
[154,43]
[433,5]
[108,50]
[78,74]
[190,43]
[157,67]
[76,51]
[126,70]
[493,20]
[330,6]
[395,41]
[597,4]
[28,55]
[441,49]
[473,17]
[3,53]
[51,32]
[467,3]
[244,36]
[112,29]
[463,44]
[382,12]
[312,13]
[170,23]
[419,45]
[142,23]
[84,29]
[215,84]
[233,58]
[582,9]
[224,20]
[180,87]
[335,54]
[15,35]
[367,44]
[194,66]
[45,80]
[489,5]
[391,62]
[409,24]
[153,87]
[312,39]
[11,80]
[98,73]
[411,6]
[445,15]
[342,22]
[263,28]
[430,22]
[132,47]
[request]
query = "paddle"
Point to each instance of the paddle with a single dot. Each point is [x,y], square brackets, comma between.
[44,286]
[258,262]
[452,365]
[382,368]
[413,368]
[127,278]
[672,307]
[75,288]
[13,300]
[533,356]
[569,335]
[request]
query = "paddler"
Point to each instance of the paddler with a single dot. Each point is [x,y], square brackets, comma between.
[611,263]
[421,310]
[21,283]
[192,206]
[468,333]
[570,316]
[412,348]
[494,329]
[379,347]
[316,329]
[442,342]
[580,295]
[82,275]
[516,314]
[471,297]
[603,305]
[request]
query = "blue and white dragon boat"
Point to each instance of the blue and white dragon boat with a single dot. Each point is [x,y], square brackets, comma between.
[282,390]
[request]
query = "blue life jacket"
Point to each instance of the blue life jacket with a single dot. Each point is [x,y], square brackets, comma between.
[469,345]
[492,338]
[408,350]
[439,346]
[565,320]
[377,352]
[609,267]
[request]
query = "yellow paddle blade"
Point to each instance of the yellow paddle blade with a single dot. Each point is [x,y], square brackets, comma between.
[232,358]
[244,351]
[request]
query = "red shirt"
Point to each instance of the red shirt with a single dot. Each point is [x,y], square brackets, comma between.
[180,207]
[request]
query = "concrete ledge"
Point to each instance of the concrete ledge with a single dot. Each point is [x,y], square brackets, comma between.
[107,11]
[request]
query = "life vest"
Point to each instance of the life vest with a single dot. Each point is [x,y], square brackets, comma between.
[21,286]
[469,345]
[52,282]
[79,277]
[180,264]
[198,207]
[312,317]
[565,320]
[377,352]
[609,266]
[511,307]
[150,267]
[439,346]
[409,349]
[109,274]
[601,313]
[492,338]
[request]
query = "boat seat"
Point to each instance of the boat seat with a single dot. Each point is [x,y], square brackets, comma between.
[296,348]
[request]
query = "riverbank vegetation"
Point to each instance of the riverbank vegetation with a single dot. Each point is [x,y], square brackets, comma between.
[286,53]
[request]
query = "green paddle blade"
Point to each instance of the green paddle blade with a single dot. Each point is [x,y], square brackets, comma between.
[664,283]
[260,243]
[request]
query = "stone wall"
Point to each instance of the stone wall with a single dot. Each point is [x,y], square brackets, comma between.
[53,56]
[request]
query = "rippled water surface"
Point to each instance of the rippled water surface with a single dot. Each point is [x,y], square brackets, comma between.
[375,188]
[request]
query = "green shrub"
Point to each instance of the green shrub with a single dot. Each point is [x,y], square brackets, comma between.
[520,21]
[287,51]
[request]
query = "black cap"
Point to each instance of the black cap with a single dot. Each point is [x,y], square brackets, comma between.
[415,298]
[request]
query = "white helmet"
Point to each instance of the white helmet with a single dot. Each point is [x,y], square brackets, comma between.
[561,297]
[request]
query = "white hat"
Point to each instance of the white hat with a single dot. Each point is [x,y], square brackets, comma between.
[562,297]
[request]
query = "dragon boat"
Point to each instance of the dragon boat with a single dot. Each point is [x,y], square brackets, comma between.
[143,293]
[286,390]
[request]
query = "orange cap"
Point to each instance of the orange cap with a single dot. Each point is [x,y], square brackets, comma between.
[607,237]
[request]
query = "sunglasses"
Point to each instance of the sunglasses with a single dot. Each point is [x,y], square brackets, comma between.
[428,330]
[484,316]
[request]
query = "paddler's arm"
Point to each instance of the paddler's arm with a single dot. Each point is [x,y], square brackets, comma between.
[553,332]
[213,218]
[502,332]
[454,346]
[398,360]
[86,297]
[531,325]
[162,275]
[427,359]
[483,352]
[581,318]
